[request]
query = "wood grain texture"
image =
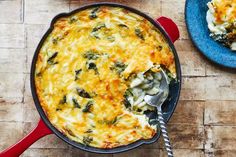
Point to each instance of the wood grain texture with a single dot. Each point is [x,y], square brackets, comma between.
[220,153]
[12,60]
[184,153]
[204,123]
[46,152]
[11,11]
[220,113]
[11,86]
[182,136]
[139,153]
[227,140]
[193,66]
[174,9]
[184,115]
[42,12]
[10,132]
[12,35]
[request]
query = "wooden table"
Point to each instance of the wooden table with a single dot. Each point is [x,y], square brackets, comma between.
[204,123]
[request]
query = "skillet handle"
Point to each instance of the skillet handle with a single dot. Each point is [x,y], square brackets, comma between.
[170,27]
[17,149]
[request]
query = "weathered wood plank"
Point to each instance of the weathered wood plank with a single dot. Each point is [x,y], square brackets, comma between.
[220,113]
[12,36]
[182,136]
[140,153]
[34,33]
[27,87]
[29,109]
[42,12]
[191,62]
[209,88]
[11,87]
[221,153]
[11,112]
[11,11]
[29,53]
[193,88]
[12,60]
[220,138]
[184,113]
[80,153]
[215,70]
[10,133]
[184,153]
[30,113]
[220,88]
[174,9]
[183,32]
[32,152]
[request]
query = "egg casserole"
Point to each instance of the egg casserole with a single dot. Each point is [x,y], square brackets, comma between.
[93,70]
[221,18]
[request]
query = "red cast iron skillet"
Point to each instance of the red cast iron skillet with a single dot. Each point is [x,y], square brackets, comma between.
[169,30]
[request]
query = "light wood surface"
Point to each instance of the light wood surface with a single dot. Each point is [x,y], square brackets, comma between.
[204,123]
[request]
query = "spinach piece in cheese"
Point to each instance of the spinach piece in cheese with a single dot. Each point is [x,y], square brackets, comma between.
[127,94]
[139,34]
[88,107]
[92,66]
[87,140]
[58,109]
[38,74]
[81,92]
[91,55]
[77,72]
[55,40]
[95,30]
[70,132]
[89,131]
[123,25]
[59,37]
[98,27]
[111,38]
[52,58]
[119,67]
[75,102]
[109,122]
[63,100]
[113,121]
[126,103]
[72,19]
[168,73]
[93,13]
[225,39]
[159,48]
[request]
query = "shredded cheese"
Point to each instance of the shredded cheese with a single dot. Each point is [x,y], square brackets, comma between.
[82,70]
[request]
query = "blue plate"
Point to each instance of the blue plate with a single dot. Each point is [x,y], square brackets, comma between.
[195,16]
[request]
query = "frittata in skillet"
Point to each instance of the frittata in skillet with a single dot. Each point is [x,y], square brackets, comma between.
[221,18]
[92,73]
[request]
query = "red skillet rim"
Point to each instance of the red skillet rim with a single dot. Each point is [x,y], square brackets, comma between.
[61,135]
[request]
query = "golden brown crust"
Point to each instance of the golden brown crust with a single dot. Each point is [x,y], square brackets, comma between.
[82,70]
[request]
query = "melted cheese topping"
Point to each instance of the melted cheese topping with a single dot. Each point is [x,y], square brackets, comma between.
[221,18]
[83,70]
[224,10]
